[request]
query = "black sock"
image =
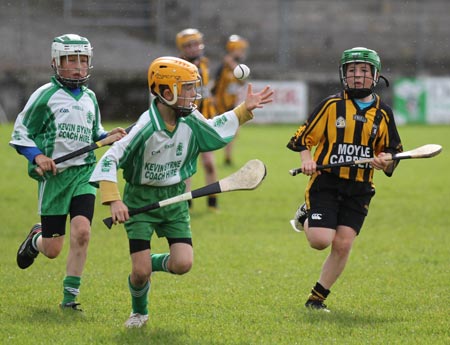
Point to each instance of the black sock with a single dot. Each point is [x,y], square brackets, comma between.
[319,292]
[212,201]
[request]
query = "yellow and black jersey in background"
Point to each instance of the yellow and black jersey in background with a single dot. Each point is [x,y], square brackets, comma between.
[341,131]
[226,88]
[206,106]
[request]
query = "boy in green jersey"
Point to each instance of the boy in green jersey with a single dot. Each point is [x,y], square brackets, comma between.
[61,117]
[157,156]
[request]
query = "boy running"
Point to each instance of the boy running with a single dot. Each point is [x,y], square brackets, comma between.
[158,155]
[61,117]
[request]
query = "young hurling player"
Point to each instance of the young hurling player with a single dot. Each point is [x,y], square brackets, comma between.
[353,124]
[191,46]
[157,156]
[226,86]
[61,117]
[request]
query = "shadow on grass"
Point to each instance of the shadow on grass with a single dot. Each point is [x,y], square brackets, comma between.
[148,335]
[343,318]
[55,315]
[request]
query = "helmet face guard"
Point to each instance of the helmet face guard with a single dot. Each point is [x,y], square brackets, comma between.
[65,46]
[360,55]
[181,78]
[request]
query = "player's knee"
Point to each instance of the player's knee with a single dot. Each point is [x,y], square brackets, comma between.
[319,244]
[209,168]
[181,267]
[52,252]
[342,248]
[82,235]
[52,247]
[140,277]
[319,238]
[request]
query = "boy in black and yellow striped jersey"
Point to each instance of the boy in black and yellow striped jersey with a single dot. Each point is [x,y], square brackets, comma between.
[350,125]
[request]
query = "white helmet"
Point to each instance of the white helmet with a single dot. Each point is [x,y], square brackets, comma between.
[70,44]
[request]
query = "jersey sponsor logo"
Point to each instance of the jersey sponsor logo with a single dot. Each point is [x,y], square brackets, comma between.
[74,132]
[316,216]
[359,118]
[340,122]
[64,110]
[350,152]
[158,172]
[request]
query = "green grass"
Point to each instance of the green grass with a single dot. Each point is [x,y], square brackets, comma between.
[252,273]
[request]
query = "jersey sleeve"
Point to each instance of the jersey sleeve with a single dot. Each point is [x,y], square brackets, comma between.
[213,134]
[31,120]
[117,156]
[29,152]
[389,141]
[309,134]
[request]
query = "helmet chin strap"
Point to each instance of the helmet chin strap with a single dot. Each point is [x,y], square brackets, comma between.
[179,112]
[183,112]
[362,93]
[69,82]
[385,80]
[359,93]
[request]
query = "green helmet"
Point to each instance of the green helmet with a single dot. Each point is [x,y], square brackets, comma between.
[360,55]
[70,44]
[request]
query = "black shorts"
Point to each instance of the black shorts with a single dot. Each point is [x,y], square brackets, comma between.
[81,205]
[334,201]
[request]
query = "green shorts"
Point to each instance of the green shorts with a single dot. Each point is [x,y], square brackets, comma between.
[55,193]
[172,221]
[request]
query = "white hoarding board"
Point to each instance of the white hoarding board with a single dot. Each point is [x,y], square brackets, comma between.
[438,100]
[290,102]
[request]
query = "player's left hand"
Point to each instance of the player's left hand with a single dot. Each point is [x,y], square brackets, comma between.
[382,161]
[257,100]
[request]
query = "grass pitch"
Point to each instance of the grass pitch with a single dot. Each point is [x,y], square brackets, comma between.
[252,273]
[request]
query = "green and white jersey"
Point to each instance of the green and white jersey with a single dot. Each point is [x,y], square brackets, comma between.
[59,122]
[152,155]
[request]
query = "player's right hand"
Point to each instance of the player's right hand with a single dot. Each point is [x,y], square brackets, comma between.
[119,211]
[44,164]
[309,167]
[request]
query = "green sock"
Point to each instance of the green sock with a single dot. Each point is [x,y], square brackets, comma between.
[34,240]
[159,262]
[139,297]
[71,286]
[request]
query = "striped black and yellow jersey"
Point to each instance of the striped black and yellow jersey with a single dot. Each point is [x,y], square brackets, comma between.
[226,89]
[340,131]
[206,106]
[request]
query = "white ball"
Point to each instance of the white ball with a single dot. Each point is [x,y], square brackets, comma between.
[241,71]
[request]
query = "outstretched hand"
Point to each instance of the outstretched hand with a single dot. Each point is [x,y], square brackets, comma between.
[257,100]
